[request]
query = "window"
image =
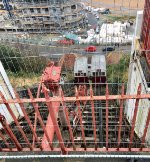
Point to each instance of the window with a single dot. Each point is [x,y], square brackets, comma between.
[103,73]
[24,11]
[97,73]
[54,10]
[31,10]
[73,7]
[46,10]
[38,10]
[74,16]
[48,18]
[40,19]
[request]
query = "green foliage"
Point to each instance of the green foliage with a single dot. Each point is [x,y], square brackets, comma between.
[20,63]
[113,18]
[118,73]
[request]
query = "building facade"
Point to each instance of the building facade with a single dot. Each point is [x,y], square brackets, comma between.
[138,74]
[49,15]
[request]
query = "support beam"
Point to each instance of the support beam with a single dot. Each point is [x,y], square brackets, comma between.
[67,120]
[107,111]
[120,117]
[27,119]
[52,113]
[49,138]
[134,117]
[72,99]
[145,130]
[80,117]
[93,117]
[9,132]
[5,141]
[35,124]
[16,121]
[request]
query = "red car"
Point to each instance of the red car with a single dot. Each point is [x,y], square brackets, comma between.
[90,49]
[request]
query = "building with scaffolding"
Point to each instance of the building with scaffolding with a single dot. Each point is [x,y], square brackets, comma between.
[49,16]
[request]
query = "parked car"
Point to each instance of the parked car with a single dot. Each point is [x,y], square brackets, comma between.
[106,11]
[109,48]
[90,49]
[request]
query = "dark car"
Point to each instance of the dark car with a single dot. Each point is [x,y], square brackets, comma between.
[106,11]
[109,48]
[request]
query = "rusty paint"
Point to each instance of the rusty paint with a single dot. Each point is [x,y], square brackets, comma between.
[120,117]
[134,117]
[107,111]
[55,123]
[93,117]
[49,137]
[80,117]
[67,119]
[71,99]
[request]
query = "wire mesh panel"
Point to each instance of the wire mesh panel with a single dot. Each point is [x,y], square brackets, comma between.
[79,78]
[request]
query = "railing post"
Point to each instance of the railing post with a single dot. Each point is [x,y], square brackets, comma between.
[80,117]
[93,117]
[107,112]
[9,132]
[6,143]
[134,116]
[67,119]
[54,120]
[120,117]
[27,119]
[16,121]
[36,108]
[145,130]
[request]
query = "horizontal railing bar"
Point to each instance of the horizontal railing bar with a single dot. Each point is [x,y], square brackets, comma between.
[70,99]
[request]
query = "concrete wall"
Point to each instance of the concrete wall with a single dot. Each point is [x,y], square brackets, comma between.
[7,90]
[136,76]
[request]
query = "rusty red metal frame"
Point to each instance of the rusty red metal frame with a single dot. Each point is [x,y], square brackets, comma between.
[80,117]
[55,123]
[27,119]
[81,98]
[5,141]
[120,117]
[107,111]
[36,108]
[67,119]
[9,132]
[93,117]
[145,130]
[134,116]
[51,102]
[16,121]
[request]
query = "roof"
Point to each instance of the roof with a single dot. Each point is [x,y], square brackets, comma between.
[98,62]
[80,65]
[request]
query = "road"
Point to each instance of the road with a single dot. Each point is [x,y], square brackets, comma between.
[55,52]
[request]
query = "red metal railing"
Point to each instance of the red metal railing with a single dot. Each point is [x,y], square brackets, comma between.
[17,138]
[145,37]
